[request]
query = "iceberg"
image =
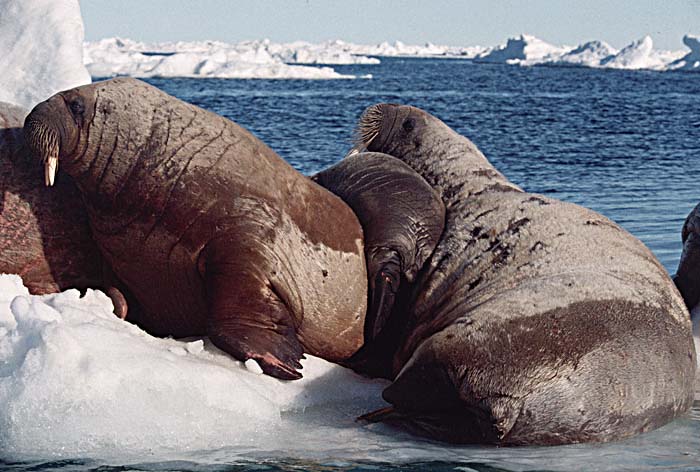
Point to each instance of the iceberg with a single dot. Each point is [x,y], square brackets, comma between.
[40,49]
[589,54]
[638,55]
[247,60]
[524,50]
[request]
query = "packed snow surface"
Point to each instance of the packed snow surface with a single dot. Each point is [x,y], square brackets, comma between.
[40,49]
[77,381]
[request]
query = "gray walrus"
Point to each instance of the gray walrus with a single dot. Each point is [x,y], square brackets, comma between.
[534,321]
[44,236]
[212,232]
[402,218]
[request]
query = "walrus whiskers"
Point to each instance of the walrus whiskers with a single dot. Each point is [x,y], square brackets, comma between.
[44,142]
[369,126]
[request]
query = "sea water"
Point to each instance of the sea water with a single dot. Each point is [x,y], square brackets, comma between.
[626,144]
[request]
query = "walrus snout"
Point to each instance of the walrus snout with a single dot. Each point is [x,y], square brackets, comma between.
[43,140]
[52,130]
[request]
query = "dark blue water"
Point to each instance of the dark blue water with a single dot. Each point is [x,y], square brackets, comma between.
[626,144]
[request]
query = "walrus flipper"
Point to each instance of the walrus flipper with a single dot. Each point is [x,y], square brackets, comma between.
[247,318]
[387,278]
[687,276]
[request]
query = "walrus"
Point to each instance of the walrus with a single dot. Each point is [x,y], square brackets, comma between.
[210,230]
[45,236]
[687,276]
[534,321]
[402,218]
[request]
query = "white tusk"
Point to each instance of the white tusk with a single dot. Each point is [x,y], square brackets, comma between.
[50,167]
[353,151]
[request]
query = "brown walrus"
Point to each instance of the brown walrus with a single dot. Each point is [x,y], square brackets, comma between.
[212,232]
[44,235]
[534,321]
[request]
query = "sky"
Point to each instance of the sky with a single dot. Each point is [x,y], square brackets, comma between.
[449,22]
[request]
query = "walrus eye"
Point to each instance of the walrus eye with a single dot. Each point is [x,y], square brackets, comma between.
[408,125]
[77,107]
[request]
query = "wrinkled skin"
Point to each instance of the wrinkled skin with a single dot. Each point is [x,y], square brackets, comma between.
[534,321]
[211,231]
[402,219]
[687,276]
[44,234]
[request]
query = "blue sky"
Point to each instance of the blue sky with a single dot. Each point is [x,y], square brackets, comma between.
[453,22]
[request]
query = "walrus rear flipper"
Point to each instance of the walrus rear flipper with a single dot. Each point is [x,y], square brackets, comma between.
[247,318]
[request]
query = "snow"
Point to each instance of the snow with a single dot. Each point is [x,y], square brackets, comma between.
[266,59]
[588,54]
[40,49]
[247,60]
[638,55]
[525,50]
[77,381]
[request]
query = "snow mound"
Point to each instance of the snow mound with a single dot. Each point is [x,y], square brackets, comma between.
[524,50]
[400,49]
[589,54]
[690,61]
[246,60]
[75,381]
[40,49]
[638,55]
[330,52]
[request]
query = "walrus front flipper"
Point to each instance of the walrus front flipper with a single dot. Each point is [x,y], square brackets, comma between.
[402,218]
[247,318]
[387,278]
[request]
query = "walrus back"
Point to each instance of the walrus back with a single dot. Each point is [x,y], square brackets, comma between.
[567,330]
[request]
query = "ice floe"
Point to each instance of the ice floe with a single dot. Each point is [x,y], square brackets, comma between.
[267,59]
[77,381]
[40,49]
[246,60]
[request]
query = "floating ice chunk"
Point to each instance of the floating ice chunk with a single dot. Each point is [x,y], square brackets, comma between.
[76,381]
[253,366]
[40,49]
[524,50]
[589,54]
[638,55]
[246,60]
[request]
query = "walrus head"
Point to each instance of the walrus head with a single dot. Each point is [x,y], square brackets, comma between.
[443,157]
[57,128]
